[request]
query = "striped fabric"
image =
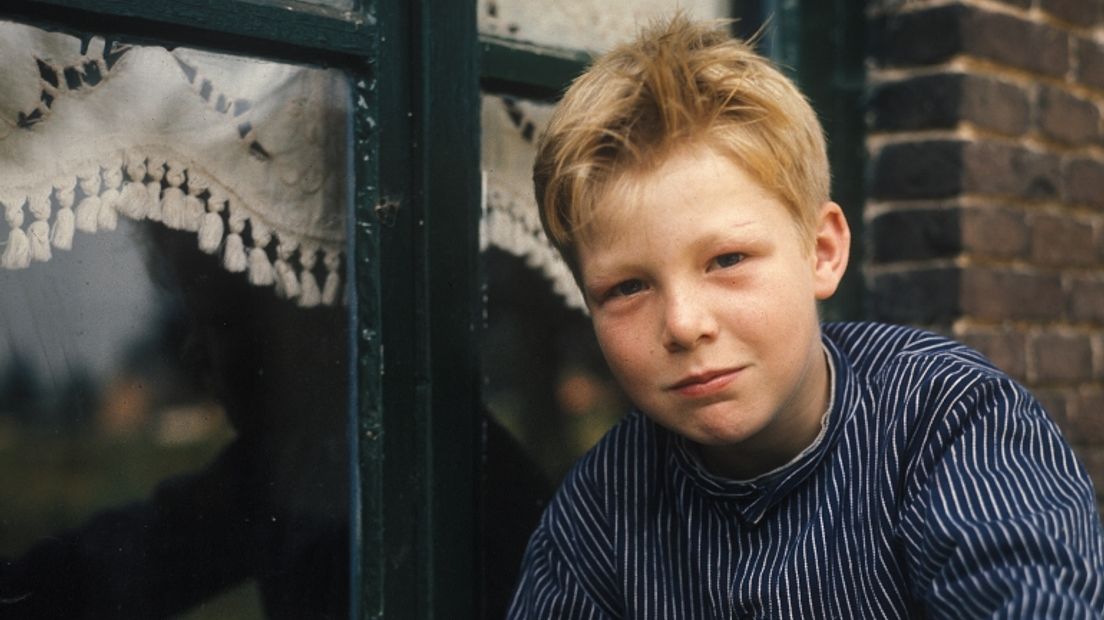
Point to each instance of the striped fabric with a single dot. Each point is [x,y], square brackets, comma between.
[938,488]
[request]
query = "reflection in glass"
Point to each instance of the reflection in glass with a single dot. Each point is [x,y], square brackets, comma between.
[172,337]
[583,24]
[546,381]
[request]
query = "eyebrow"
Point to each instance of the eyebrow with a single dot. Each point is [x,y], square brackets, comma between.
[713,237]
[721,235]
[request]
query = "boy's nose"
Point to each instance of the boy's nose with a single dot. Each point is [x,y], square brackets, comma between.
[688,322]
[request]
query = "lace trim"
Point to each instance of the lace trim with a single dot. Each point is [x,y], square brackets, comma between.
[239,152]
[511,221]
[508,224]
[147,184]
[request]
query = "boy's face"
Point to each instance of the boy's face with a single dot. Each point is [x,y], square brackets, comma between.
[703,297]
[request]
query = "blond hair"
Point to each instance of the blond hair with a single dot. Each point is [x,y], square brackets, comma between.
[678,83]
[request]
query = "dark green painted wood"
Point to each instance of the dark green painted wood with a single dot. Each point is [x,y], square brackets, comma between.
[392,457]
[266,29]
[527,70]
[415,292]
[450,173]
[367,350]
[419,555]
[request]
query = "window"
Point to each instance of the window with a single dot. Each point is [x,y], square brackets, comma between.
[174,355]
[396,423]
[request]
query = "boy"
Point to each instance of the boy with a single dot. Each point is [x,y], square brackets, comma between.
[773,469]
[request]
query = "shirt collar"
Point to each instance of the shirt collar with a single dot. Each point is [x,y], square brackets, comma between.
[751,499]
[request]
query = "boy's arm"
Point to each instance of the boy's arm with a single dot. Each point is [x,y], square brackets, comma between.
[568,569]
[549,588]
[999,518]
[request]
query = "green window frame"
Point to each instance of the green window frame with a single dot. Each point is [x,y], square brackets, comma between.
[416,68]
[414,307]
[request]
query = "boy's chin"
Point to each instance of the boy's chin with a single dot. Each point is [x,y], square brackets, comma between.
[738,448]
[719,434]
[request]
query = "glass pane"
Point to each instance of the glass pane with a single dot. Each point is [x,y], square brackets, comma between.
[546,381]
[172,333]
[583,24]
[546,386]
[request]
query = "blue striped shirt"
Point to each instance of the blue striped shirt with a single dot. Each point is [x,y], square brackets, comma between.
[937,488]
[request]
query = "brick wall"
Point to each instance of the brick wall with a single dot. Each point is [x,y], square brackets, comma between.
[985,212]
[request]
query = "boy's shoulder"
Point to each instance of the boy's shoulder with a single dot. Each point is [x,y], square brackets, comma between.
[942,380]
[880,350]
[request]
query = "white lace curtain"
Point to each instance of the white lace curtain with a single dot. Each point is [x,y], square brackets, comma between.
[249,155]
[510,218]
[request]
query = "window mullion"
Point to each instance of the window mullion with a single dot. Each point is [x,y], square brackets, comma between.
[263,29]
[419,448]
[527,70]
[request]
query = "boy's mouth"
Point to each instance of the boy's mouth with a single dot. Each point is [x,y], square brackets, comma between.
[704,383]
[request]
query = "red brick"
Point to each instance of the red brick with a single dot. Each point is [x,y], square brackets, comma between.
[1087,300]
[998,295]
[925,102]
[1086,419]
[924,296]
[1076,12]
[914,234]
[1084,181]
[1054,402]
[1066,118]
[995,105]
[918,37]
[1098,357]
[994,232]
[943,101]
[921,169]
[1007,349]
[936,35]
[1009,170]
[1061,357]
[1061,241]
[1090,63]
[1012,41]
[1092,457]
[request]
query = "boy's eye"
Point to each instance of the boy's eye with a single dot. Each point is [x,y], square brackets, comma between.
[626,288]
[728,260]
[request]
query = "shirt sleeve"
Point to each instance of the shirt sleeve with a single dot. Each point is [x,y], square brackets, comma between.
[1000,518]
[567,572]
[549,589]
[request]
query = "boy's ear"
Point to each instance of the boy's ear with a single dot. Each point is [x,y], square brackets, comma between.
[831,250]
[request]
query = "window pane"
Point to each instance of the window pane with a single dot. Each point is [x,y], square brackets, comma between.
[546,381]
[546,387]
[172,333]
[582,24]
